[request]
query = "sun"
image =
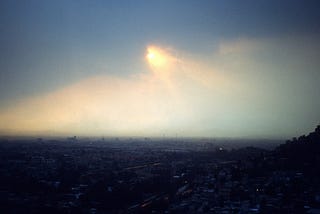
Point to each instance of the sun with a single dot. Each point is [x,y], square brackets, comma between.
[150,56]
[156,57]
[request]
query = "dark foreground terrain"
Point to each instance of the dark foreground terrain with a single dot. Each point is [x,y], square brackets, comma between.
[155,176]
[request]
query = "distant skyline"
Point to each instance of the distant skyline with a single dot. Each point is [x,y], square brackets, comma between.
[247,69]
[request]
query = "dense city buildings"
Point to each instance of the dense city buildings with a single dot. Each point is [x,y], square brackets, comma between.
[144,175]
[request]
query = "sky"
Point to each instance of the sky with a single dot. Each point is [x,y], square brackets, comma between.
[219,68]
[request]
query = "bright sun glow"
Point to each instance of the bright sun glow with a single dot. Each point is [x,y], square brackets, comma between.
[150,56]
[156,57]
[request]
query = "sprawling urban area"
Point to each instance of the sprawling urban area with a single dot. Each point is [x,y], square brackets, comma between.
[159,175]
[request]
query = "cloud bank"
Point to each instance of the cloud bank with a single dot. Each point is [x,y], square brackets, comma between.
[231,93]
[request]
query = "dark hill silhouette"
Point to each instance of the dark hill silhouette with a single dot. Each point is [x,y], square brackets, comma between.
[302,153]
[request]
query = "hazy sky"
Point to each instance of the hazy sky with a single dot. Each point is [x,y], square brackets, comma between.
[224,68]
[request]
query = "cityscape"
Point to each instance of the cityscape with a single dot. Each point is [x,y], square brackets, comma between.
[143,175]
[160,107]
